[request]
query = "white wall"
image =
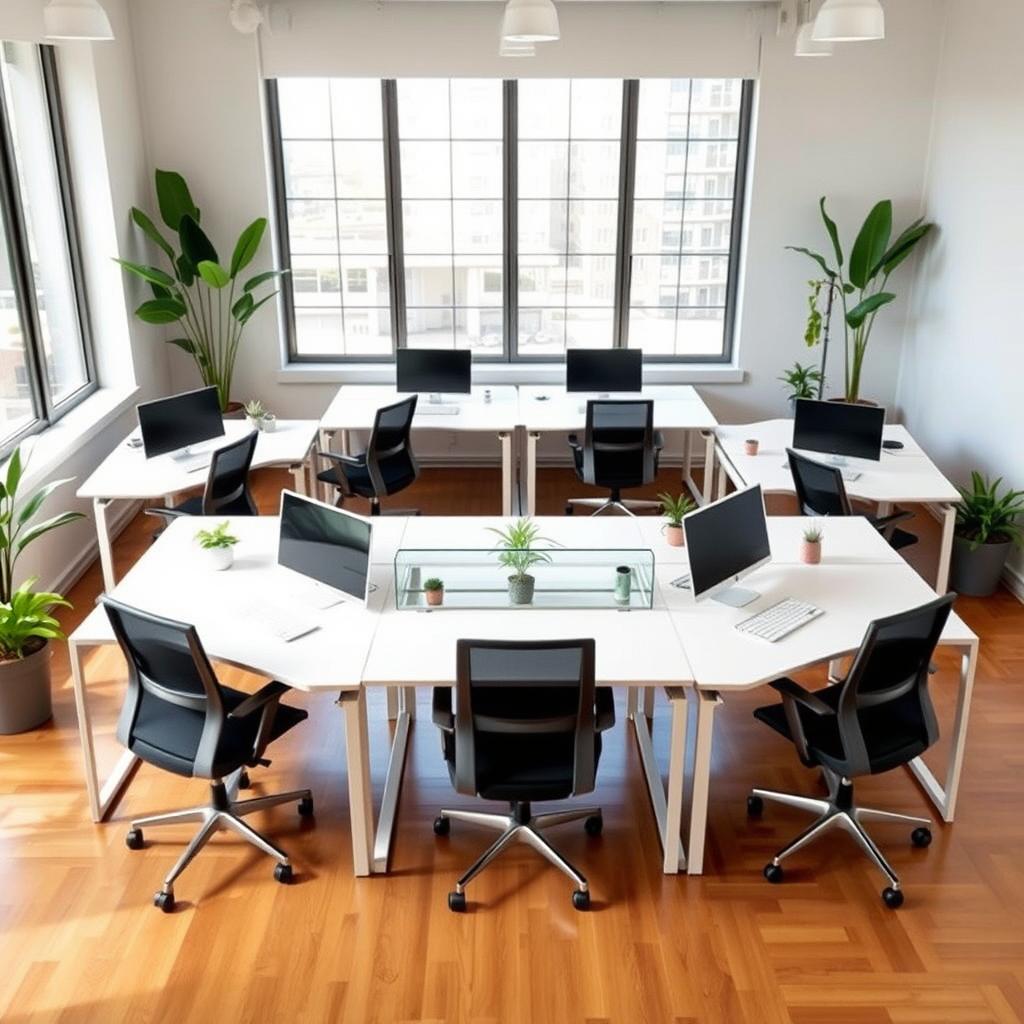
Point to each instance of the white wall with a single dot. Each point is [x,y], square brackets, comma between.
[962,382]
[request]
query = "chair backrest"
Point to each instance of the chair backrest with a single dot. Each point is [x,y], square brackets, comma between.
[530,690]
[228,480]
[819,488]
[390,461]
[166,665]
[618,446]
[884,704]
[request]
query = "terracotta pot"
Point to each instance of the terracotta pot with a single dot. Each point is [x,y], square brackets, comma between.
[25,701]
[750,446]
[810,552]
[234,411]
[674,535]
[435,597]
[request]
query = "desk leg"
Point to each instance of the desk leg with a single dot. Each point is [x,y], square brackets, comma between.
[507,472]
[687,480]
[393,782]
[391,696]
[709,466]
[531,472]
[360,792]
[99,508]
[945,548]
[707,702]
[649,702]
[300,477]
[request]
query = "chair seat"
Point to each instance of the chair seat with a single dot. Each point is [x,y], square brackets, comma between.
[891,732]
[397,473]
[901,539]
[168,736]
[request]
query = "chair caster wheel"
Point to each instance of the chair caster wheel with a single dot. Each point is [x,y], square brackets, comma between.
[581,900]
[774,873]
[164,900]
[457,902]
[133,840]
[244,782]
[569,510]
[755,806]
[284,874]
[594,825]
[306,807]
[921,837]
[892,898]
[442,825]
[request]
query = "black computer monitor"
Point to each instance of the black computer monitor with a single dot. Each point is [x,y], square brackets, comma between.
[726,541]
[325,544]
[434,370]
[839,428]
[605,370]
[170,424]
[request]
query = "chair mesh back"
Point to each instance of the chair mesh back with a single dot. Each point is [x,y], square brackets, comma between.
[229,473]
[389,456]
[819,488]
[619,446]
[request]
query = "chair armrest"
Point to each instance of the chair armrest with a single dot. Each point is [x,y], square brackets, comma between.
[882,523]
[441,711]
[574,442]
[164,513]
[342,460]
[794,691]
[604,703]
[659,440]
[271,692]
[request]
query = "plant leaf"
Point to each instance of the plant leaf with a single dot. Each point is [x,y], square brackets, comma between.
[45,527]
[13,477]
[154,275]
[904,246]
[862,310]
[213,274]
[246,317]
[174,199]
[184,344]
[161,311]
[31,507]
[833,233]
[241,307]
[194,243]
[817,257]
[248,244]
[186,270]
[151,231]
[269,275]
[871,242]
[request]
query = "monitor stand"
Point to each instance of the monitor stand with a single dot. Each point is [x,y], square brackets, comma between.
[190,453]
[436,398]
[838,461]
[736,597]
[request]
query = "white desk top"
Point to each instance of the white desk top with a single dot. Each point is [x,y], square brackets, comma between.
[354,407]
[906,475]
[127,473]
[551,407]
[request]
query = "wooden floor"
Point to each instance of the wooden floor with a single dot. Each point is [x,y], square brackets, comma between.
[79,940]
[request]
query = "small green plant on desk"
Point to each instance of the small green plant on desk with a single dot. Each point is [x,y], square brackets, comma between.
[519,554]
[218,546]
[674,508]
[254,413]
[434,591]
[810,549]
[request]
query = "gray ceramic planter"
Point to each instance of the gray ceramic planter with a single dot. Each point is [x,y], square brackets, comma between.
[25,701]
[520,589]
[976,573]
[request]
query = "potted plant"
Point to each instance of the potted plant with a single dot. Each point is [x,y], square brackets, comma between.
[986,528]
[269,423]
[518,554]
[217,546]
[208,301]
[674,509]
[810,546]
[254,413]
[862,285]
[802,382]
[26,625]
[433,589]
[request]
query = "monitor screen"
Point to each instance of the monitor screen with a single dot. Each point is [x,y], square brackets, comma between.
[325,544]
[839,428]
[604,370]
[176,422]
[726,540]
[434,370]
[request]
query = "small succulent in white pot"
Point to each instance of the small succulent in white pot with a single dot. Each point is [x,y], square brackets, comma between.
[254,413]
[217,546]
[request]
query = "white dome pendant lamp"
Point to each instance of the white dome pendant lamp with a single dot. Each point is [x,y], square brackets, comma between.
[530,21]
[849,21]
[805,44]
[76,19]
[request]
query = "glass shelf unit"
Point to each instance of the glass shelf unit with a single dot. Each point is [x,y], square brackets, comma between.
[574,578]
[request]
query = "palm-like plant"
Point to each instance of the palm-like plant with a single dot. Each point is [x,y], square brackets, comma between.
[517,552]
[674,508]
[208,300]
[985,516]
[862,285]
[802,381]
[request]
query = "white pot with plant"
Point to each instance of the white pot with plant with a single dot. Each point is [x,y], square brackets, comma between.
[433,590]
[518,553]
[810,545]
[26,625]
[254,413]
[217,546]
[674,508]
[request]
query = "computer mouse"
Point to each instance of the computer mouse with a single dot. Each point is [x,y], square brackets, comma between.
[892,446]
[541,398]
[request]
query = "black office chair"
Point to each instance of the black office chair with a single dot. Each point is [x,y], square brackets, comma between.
[177,716]
[620,449]
[879,718]
[526,726]
[227,485]
[386,467]
[820,491]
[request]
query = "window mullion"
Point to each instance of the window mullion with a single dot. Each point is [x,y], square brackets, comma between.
[393,208]
[284,248]
[624,241]
[510,245]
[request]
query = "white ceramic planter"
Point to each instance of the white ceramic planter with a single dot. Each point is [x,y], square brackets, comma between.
[217,559]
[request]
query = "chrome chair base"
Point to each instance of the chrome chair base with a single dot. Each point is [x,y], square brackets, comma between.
[624,505]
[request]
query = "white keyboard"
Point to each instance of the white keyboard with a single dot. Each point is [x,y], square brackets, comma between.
[849,475]
[436,409]
[277,621]
[780,619]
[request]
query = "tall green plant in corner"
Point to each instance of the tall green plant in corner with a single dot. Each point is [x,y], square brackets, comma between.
[862,286]
[208,300]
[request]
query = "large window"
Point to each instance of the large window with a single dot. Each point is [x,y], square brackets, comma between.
[45,360]
[516,219]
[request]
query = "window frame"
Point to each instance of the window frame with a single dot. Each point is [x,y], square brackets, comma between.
[46,411]
[623,255]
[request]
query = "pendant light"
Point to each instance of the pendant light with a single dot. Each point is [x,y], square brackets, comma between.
[76,19]
[509,49]
[849,21]
[245,16]
[805,43]
[530,21]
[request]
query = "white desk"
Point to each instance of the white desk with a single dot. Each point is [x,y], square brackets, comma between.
[126,474]
[354,406]
[676,407]
[907,475]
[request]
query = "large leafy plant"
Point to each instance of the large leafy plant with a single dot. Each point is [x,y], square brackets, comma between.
[862,285]
[985,516]
[517,551]
[208,300]
[24,615]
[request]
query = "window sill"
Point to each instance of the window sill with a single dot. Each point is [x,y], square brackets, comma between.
[53,446]
[505,373]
